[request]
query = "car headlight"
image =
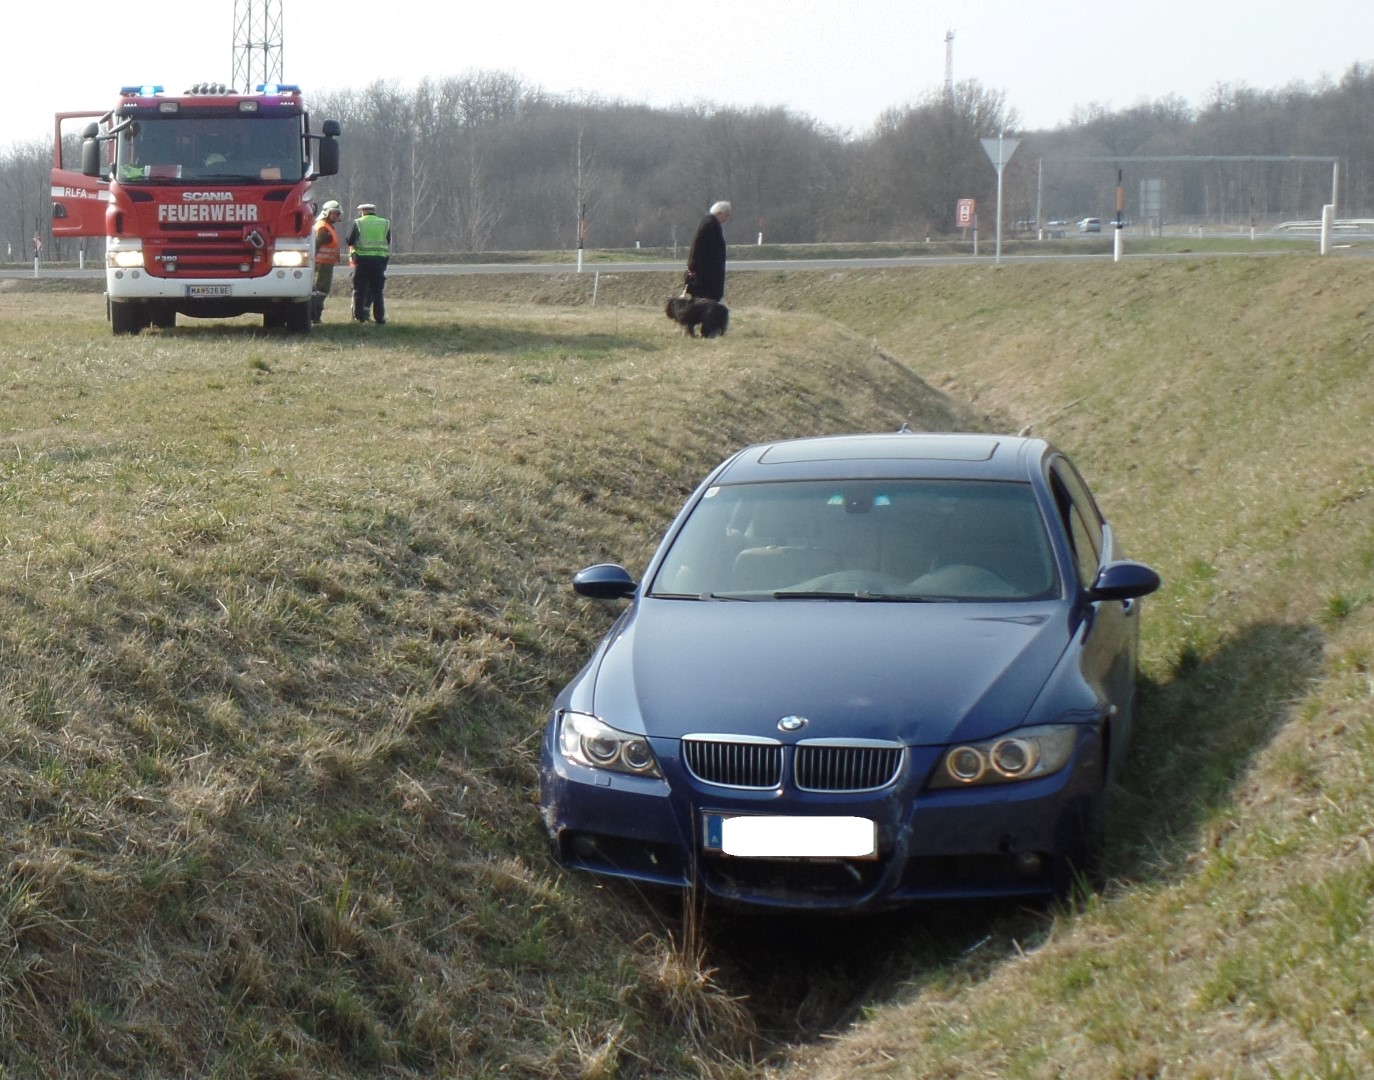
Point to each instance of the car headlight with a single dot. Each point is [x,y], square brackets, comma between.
[587,741]
[1021,755]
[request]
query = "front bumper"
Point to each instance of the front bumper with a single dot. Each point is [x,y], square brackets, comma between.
[280,283]
[1006,840]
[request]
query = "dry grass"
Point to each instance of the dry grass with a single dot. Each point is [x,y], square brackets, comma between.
[1222,410]
[280,619]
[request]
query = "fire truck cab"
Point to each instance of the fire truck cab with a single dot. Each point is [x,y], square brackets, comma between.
[203,201]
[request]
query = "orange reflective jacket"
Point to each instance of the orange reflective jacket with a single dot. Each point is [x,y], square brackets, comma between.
[326,243]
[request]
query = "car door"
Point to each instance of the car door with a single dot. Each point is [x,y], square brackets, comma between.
[1109,629]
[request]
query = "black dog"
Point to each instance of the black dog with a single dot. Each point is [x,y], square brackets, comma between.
[712,317]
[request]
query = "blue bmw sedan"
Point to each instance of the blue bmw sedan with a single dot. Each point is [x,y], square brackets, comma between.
[859,671]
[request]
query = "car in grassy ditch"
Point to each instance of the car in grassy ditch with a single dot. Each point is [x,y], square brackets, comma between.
[859,672]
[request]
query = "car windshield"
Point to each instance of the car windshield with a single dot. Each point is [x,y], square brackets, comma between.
[897,540]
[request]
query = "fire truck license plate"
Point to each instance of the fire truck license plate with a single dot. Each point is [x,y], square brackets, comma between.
[196,292]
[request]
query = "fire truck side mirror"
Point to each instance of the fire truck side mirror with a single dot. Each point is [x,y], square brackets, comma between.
[332,129]
[91,148]
[327,158]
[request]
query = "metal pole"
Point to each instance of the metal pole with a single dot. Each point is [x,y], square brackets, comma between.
[998,153]
[998,257]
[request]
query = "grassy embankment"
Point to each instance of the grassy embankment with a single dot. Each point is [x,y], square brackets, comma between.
[280,618]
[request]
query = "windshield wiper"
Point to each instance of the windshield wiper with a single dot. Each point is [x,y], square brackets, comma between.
[861,595]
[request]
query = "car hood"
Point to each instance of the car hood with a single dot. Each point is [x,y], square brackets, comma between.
[919,673]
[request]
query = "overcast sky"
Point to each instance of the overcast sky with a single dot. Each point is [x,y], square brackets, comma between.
[841,63]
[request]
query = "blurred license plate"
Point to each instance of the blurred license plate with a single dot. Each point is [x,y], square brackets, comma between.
[198,292]
[764,836]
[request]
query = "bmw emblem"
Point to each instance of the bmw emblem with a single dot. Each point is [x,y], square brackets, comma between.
[792,723]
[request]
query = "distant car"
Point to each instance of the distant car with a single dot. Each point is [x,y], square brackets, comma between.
[1090,224]
[860,671]
[1056,221]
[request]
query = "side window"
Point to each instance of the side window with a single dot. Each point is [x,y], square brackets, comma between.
[1082,521]
[1082,547]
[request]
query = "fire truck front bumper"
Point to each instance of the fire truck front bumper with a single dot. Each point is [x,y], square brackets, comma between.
[280,283]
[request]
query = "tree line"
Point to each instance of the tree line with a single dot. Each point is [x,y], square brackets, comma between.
[486,162]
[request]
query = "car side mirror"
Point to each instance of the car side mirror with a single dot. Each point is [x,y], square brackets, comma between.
[605,581]
[1124,580]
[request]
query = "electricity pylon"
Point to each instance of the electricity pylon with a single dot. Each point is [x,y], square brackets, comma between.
[257,43]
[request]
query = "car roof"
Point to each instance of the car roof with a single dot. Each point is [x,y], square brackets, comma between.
[944,455]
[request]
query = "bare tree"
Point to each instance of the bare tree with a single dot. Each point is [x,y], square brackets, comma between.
[481,160]
[25,206]
[479,212]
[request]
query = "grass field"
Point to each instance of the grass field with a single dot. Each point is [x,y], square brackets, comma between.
[280,616]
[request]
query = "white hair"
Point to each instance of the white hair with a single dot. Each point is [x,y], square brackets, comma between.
[721,207]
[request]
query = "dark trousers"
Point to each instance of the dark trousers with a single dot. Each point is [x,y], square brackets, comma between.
[324,281]
[369,284]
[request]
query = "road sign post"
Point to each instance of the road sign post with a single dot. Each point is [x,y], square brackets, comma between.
[999,151]
[965,215]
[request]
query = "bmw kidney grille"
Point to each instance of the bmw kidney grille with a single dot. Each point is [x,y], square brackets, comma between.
[820,765]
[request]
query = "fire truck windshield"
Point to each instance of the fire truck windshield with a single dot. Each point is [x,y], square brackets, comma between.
[229,149]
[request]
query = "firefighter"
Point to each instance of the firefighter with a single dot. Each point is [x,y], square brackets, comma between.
[326,256]
[369,249]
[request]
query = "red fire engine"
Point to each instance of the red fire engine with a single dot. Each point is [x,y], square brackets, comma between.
[203,201]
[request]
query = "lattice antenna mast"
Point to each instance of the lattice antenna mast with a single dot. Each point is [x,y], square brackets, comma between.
[949,67]
[257,43]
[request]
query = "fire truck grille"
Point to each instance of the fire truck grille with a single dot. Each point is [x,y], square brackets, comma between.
[205,260]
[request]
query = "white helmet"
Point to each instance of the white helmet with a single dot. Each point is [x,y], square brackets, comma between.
[331,206]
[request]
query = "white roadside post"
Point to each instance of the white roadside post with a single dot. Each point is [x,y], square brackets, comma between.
[999,152]
[1120,218]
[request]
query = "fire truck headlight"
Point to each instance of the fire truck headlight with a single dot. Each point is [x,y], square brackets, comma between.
[125,256]
[291,253]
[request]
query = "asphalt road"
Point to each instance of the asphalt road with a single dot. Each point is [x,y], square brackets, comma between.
[985,256]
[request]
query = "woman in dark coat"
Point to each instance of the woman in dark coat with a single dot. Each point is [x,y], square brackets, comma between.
[706,257]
